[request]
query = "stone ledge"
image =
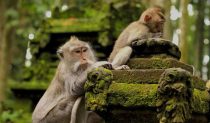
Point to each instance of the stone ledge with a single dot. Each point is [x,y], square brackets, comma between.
[137,76]
[132,95]
[145,95]
[147,76]
[150,46]
[157,63]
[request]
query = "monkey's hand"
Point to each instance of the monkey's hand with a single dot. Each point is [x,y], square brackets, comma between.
[157,35]
[122,67]
[103,64]
[108,66]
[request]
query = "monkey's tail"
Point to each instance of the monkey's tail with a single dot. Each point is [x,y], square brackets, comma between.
[74,109]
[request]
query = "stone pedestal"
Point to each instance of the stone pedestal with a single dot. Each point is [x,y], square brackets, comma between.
[158,88]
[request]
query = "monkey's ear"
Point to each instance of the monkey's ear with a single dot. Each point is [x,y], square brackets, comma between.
[147,18]
[60,53]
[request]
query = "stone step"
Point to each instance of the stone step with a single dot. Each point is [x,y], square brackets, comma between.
[147,76]
[145,95]
[157,63]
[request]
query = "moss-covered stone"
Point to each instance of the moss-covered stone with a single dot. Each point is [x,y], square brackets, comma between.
[157,63]
[132,95]
[148,76]
[137,76]
[201,101]
[198,83]
[150,46]
[96,88]
[175,95]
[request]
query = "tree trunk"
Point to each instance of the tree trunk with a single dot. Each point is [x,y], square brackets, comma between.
[209,61]
[183,26]
[6,39]
[199,36]
[167,26]
[3,46]
[208,65]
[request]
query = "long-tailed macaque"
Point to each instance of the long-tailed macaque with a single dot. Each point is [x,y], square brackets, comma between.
[66,88]
[150,23]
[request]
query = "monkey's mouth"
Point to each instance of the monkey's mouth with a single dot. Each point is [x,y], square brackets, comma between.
[83,66]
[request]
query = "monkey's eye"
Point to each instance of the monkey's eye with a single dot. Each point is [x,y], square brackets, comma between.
[84,50]
[77,51]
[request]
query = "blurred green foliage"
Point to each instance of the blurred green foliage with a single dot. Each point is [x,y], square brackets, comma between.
[108,19]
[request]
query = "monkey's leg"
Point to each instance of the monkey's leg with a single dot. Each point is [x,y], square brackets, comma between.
[122,57]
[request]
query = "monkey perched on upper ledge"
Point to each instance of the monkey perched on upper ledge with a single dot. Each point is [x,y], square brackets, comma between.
[150,24]
[64,94]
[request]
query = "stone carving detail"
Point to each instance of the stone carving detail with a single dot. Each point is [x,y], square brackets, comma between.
[175,96]
[96,89]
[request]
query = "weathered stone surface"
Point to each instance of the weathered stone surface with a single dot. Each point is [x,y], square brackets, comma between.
[201,101]
[157,63]
[137,76]
[175,96]
[147,76]
[145,47]
[97,85]
[198,83]
[132,95]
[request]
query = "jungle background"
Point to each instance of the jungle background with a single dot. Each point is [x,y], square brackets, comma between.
[32,30]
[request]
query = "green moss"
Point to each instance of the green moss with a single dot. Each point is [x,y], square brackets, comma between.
[132,95]
[198,83]
[137,76]
[157,63]
[175,95]
[96,87]
[96,102]
[201,101]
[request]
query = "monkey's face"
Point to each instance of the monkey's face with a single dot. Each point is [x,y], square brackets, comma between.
[80,57]
[77,55]
[156,23]
[154,19]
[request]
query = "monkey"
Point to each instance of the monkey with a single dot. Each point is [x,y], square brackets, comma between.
[65,91]
[150,23]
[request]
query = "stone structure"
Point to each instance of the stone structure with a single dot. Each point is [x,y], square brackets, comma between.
[158,88]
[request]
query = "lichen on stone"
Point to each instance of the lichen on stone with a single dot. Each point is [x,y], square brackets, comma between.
[175,96]
[96,88]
